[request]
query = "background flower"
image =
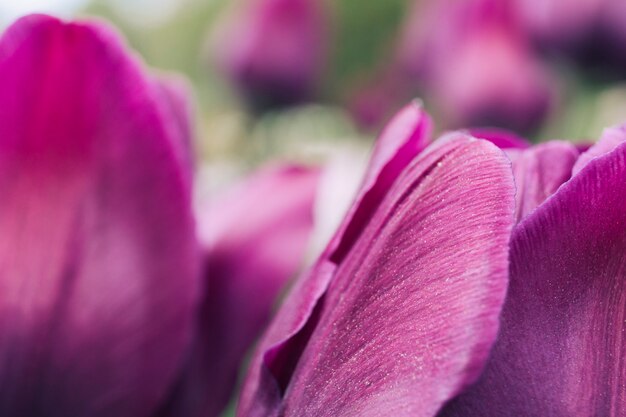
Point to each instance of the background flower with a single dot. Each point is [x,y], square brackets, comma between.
[99,261]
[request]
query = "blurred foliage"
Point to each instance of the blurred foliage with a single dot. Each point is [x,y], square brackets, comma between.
[364,35]
[362,42]
[179,43]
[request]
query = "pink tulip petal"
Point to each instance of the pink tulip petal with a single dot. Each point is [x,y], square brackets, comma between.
[295,376]
[610,139]
[98,260]
[255,240]
[280,347]
[561,347]
[539,172]
[411,314]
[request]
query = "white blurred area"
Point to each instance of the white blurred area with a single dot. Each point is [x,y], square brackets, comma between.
[143,12]
[12,9]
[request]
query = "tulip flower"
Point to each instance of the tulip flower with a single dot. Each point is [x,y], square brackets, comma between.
[476,65]
[98,255]
[400,311]
[274,51]
[591,32]
[254,240]
[560,348]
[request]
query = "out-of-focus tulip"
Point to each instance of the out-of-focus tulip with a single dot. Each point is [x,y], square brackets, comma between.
[476,66]
[592,32]
[399,313]
[98,257]
[559,22]
[254,240]
[560,348]
[274,51]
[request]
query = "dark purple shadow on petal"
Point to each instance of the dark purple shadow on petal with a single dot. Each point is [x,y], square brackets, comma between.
[282,362]
[414,143]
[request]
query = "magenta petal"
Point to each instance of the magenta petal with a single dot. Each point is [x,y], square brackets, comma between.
[98,260]
[539,172]
[378,341]
[561,347]
[610,139]
[255,239]
[405,136]
[503,139]
[412,311]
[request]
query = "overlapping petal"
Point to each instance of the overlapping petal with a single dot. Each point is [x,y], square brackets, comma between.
[98,259]
[610,139]
[561,347]
[539,172]
[282,343]
[254,241]
[410,308]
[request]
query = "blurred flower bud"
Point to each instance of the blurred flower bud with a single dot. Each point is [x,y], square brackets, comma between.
[590,32]
[273,51]
[475,64]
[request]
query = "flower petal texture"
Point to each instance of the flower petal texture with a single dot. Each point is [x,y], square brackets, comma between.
[410,309]
[539,171]
[98,256]
[254,240]
[281,345]
[561,347]
[610,139]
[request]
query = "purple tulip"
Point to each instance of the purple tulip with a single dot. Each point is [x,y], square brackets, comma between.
[400,311]
[274,51]
[560,348]
[254,240]
[98,256]
[473,62]
[593,32]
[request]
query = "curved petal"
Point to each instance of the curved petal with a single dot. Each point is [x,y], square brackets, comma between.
[405,136]
[98,259]
[412,311]
[175,92]
[503,139]
[608,141]
[561,348]
[539,172]
[348,365]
